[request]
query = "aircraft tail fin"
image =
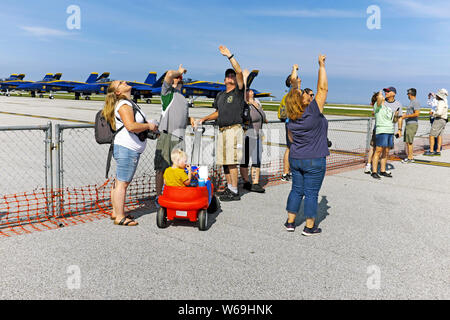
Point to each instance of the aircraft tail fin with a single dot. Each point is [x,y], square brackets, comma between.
[151,78]
[21,76]
[104,75]
[251,77]
[57,76]
[48,77]
[159,82]
[92,77]
[13,76]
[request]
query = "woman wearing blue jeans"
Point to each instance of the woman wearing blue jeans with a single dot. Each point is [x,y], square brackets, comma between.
[307,130]
[127,145]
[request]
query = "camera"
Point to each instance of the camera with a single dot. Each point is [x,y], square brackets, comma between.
[148,134]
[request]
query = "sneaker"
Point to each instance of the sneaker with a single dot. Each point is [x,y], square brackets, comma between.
[247,186]
[375,175]
[286,177]
[368,169]
[225,191]
[386,174]
[257,188]
[290,227]
[230,196]
[436,153]
[428,153]
[411,160]
[311,231]
[406,161]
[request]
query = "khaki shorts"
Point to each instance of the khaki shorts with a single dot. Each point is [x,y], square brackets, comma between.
[410,132]
[164,146]
[229,145]
[438,127]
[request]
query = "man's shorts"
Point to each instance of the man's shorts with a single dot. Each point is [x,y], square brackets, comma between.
[384,140]
[410,132]
[438,127]
[230,142]
[164,146]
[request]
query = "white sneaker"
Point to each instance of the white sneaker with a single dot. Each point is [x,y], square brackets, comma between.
[368,169]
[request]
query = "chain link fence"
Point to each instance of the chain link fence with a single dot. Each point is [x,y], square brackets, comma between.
[26,182]
[42,180]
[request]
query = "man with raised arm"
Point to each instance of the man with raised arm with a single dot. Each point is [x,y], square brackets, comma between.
[229,105]
[174,119]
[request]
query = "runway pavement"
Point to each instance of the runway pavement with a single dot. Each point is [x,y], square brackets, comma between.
[383,239]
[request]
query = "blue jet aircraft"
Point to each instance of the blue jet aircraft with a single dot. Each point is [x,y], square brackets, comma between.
[139,90]
[12,82]
[210,89]
[61,85]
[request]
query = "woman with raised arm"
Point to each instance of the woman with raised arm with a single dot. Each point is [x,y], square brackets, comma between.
[128,146]
[307,130]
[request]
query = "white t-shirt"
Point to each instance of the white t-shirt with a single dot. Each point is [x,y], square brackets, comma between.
[125,138]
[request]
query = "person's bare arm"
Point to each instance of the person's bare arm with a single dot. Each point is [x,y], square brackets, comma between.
[237,68]
[172,74]
[127,116]
[414,115]
[295,80]
[212,116]
[322,84]
[188,181]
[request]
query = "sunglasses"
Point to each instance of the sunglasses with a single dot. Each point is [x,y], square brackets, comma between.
[309,94]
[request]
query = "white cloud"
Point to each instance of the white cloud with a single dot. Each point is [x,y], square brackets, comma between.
[318,13]
[43,32]
[437,9]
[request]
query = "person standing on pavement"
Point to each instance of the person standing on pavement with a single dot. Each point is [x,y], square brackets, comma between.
[174,119]
[396,108]
[384,138]
[282,116]
[440,121]
[229,105]
[308,131]
[127,146]
[432,104]
[253,144]
[411,124]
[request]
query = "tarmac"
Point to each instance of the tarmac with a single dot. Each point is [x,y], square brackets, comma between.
[386,239]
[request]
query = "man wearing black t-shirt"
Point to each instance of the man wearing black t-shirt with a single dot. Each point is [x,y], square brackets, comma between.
[229,105]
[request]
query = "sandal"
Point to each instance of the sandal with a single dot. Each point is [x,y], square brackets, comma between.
[123,223]
[128,216]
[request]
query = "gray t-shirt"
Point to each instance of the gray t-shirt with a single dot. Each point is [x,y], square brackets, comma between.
[175,111]
[258,117]
[395,105]
[413,107]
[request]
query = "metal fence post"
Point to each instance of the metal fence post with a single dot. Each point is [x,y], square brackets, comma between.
[49,169]
[58,193]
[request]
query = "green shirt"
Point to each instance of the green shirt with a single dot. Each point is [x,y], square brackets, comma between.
[383,119]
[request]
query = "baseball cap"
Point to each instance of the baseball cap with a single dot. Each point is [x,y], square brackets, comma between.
[230,72]
[390,89]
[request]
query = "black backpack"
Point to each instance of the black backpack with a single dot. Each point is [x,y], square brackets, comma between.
[104,134]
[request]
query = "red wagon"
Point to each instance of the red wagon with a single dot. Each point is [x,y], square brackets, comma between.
[186,203]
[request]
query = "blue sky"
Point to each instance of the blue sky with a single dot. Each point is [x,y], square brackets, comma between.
[128,39]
